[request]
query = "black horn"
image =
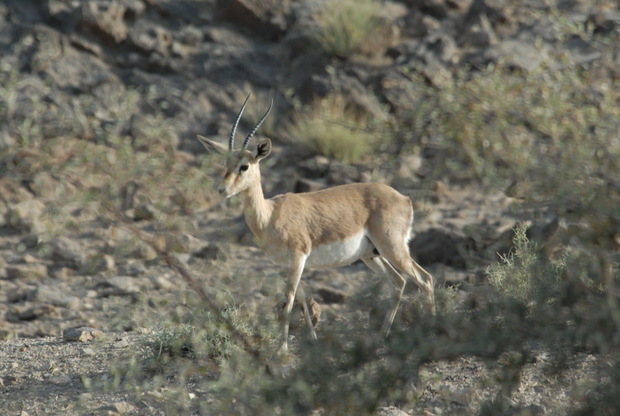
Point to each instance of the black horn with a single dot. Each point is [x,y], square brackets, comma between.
[246,142]
[231,141]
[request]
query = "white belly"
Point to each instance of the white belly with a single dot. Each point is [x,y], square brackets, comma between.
[340,253]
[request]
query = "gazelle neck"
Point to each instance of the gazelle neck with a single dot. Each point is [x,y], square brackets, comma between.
[257,209]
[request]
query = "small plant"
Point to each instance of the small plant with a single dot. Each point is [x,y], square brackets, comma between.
[169,341]
[513,275]
[343,26]
[328,127]
[202,336]
[524,275]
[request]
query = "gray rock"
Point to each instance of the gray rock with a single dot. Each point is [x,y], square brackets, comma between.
[99,262]
[390,411]
[117,408]
[479,34]
[212,251]
[68,252]
[18,294]
[580,51]
[104,19]
[118,286]
[26,271]
[432,56]
[330,295]
[184,243]
[20,313]
[266,18]
[605,21]
[133,268]
[56,295]
[151,39]
[144,212]
[520,54]
[81,334]
[6,140]
[26,216]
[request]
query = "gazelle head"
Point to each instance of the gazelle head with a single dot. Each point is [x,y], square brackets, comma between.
[242,171]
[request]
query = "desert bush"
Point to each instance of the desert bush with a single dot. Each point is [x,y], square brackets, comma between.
[328,127]
[202,335]
[521,274]
[343,26]
[545,125]
[549,137]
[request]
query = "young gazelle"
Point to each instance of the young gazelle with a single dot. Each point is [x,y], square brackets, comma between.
[323,229]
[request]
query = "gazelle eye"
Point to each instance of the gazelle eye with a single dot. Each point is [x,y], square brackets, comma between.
[243,168]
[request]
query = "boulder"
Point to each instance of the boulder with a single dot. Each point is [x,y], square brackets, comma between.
[439,246]
[65,251]
[266,18]
[104,19]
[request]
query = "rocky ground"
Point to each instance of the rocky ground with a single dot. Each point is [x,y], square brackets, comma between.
[51,376]
[82,71]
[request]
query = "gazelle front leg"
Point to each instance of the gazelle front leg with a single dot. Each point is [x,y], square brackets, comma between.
[295,291]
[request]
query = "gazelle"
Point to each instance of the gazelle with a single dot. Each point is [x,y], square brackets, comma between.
[323,229]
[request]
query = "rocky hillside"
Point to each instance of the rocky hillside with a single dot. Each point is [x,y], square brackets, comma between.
[485,112]
[193,62]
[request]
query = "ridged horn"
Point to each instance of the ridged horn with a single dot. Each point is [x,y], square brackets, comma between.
[246,142]
[231,141]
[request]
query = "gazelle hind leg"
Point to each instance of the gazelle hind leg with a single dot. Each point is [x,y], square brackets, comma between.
[301,299]
[398,256]
[425,280]
[383,267]
[422,278]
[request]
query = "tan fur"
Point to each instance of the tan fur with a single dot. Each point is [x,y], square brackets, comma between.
[303,221]
[369,222]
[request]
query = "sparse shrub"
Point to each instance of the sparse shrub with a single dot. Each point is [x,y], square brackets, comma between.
[521,274]
[550,124]
[167,342]
[328,127]
[447,300]
[549,138]
[551,133]
[203,336]
[529,277]
[343,26]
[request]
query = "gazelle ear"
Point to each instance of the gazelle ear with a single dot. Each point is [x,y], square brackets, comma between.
[212,146]
[263,149]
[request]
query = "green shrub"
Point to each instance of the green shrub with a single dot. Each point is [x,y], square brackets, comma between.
[547,130]
[343,26]
[550,137]
[521,274]
[328,127]
[202,336]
